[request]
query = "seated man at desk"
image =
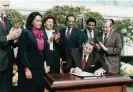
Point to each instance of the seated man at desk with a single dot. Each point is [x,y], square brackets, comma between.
[85,59]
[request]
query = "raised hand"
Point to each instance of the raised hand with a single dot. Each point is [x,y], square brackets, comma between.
[14,33]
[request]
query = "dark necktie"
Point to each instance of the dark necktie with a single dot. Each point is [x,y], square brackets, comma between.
[68,33]
[105,38]
[84,62]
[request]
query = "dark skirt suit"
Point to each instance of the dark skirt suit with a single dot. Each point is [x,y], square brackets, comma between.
[30,57]
[53,57]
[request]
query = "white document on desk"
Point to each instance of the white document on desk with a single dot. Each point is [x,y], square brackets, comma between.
[84,74]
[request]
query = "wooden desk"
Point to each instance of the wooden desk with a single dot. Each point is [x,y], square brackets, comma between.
[71,83]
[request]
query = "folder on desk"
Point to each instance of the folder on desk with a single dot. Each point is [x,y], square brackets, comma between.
[85,75]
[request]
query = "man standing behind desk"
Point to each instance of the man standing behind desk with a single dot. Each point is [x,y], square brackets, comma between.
[90,32]
[70,38]
[7,35]
[110,46]
[85,59]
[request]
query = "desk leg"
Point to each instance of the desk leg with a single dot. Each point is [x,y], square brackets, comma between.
[124,88]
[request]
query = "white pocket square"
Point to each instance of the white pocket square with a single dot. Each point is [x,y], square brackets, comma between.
[92,65]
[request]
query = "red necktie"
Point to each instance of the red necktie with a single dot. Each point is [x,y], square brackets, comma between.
[68,33]
[3,23]
[84,62]
[90,34]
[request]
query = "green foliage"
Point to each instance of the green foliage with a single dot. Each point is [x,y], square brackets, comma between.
[126,27]
[15,17]
[130,88]
[62,11]
[120,24]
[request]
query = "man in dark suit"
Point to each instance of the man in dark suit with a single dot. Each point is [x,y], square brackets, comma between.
[110,46]
[85,59]
[90,32]
[7,35]
[69,37]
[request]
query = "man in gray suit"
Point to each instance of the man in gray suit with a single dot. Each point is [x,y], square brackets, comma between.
[109,46]
[7,35]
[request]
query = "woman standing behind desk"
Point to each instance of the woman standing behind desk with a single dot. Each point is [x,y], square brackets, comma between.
[31,56]
[52,49]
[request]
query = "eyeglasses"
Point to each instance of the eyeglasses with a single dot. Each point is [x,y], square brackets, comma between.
[6,5]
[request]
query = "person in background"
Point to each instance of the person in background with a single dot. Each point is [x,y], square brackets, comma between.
[31,56]
[90,32]
[7,36]
[85,59]
[118,31]
[69,38]
[121,35]
[110,46]
[24,22]
[52,48]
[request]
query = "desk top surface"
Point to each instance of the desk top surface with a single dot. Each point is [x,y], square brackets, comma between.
[68,80]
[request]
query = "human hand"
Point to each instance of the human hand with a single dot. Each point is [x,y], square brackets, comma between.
[103,47]
[99,72]
[47,69]
[14,33]
[57,36]
[77,70]
[98,46]
[28,74]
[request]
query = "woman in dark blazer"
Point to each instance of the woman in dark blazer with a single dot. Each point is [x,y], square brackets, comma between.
[52,49]
[31,56]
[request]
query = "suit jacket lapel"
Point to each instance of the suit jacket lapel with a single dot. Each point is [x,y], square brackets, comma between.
[71,34]
[45,37]
[64,34]
[101,37]
[31,36]
[8,25]
[78,58]
[2,28]
[89,61]
[109,38]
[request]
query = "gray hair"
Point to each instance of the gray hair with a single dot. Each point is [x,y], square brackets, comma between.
[106,21]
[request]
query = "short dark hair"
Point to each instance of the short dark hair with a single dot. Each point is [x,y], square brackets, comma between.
[30,19]
[90,20]
[90,42]
[49,16]
[113,22]
[70,15]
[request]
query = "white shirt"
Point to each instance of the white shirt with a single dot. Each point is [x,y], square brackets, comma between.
[67,30]
[49,35]
[86,57]
[92,33]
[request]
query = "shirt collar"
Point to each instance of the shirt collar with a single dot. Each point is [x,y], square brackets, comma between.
[49,30]
[69,28]
[89,30]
